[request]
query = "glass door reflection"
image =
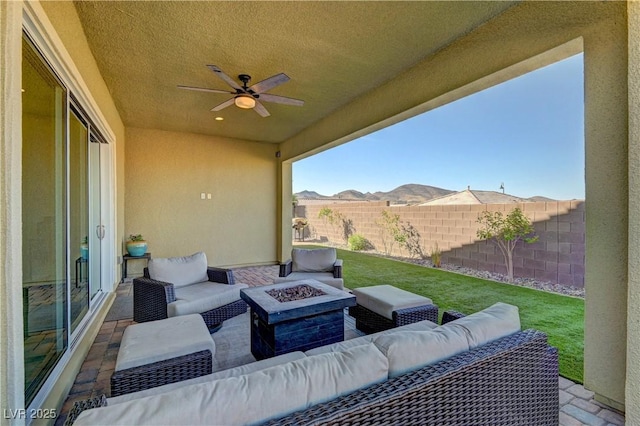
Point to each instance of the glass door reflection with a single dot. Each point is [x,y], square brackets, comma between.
[78,216]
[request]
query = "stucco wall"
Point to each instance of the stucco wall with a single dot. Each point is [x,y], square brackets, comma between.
[11,333]
[606,184]
[167,172]
[633,314]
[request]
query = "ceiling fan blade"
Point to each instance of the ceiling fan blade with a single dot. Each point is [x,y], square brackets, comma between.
[281,99]
[260,109]
[202,89]
[223,105]
[231,82]
[269,83]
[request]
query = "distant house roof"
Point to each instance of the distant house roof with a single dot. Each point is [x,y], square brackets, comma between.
[469,196]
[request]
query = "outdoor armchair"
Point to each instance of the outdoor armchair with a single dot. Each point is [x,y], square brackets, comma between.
[318,264]
[186,285]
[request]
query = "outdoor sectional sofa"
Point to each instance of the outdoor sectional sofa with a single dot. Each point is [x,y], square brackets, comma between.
[475,370]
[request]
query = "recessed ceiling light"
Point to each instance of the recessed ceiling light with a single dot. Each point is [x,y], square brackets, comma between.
[219,118]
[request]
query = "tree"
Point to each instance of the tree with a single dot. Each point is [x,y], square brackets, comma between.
[390,232]
[326,214]
[340,223]
[505,232]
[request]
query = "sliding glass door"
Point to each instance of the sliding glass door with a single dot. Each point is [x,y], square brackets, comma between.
[79,216]
[65,172]
[95,216]
[44,219]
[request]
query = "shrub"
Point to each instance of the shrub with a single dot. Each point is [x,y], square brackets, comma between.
[358,243]
[340,223]
[412,240]
[390,232]
[436,256]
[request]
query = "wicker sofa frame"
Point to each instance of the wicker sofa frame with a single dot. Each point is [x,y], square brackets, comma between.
[151,297]
[510,381]
[371,322]
[161,373]
[286,268]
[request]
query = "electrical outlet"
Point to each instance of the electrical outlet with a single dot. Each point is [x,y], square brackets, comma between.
[203,196]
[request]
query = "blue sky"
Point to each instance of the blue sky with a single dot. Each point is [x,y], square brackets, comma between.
[527,132]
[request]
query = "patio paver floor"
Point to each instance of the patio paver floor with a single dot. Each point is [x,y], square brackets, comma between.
[577,406]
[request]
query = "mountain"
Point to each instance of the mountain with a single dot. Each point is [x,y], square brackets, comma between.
[351,194]
[309,194]
[412,193]
[409,193]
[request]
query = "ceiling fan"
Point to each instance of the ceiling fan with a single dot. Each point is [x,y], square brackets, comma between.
[249,97]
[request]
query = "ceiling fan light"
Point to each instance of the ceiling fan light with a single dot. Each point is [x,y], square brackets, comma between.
[245,101]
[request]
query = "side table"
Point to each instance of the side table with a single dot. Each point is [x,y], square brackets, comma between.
[79,262]
[127,257]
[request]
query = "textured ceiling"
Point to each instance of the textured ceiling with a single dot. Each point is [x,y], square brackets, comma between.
[333,52]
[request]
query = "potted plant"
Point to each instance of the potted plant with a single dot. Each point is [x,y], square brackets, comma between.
[136,246]
[84,248]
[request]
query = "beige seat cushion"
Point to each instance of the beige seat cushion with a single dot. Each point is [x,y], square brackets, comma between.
[410,350]
[255,397]
[494,322]
[231,372]
[323,277]
[316,260]
[384,299]
[160,340]
[179,271]
[203,297]
[362,340]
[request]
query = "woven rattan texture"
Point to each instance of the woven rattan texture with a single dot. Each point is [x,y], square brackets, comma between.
[80,406]
[150,299]
[220,275]
[161,373]
[449,316]
[511,381]
[337,269]
[223,313]
[370,322]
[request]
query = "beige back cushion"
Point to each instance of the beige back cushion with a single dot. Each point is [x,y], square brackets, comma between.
[255,397]
[179,271]
[494,322]
[410,350]
[316,260]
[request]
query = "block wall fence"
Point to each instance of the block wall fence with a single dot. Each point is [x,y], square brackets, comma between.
[557,257]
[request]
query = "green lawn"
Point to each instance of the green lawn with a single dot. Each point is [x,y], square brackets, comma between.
[560,317]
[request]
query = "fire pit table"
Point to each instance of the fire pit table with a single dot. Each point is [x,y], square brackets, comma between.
[295,316]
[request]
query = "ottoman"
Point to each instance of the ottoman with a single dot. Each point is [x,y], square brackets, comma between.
[160,352]
[383,307]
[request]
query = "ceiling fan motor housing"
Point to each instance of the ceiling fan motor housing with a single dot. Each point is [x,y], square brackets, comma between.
[245,79]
